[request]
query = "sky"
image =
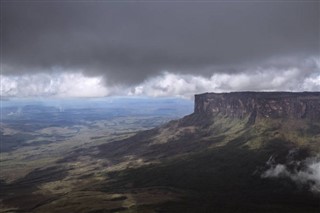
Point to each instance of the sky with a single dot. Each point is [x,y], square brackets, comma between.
[158,48]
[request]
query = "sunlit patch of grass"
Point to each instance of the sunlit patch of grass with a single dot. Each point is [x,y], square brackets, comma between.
[18,168]
[95,201]
[296,132]
[8,210]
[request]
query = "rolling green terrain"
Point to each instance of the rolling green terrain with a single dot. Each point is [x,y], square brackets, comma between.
[199,163]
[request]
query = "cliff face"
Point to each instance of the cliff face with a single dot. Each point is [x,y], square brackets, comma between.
[304,105]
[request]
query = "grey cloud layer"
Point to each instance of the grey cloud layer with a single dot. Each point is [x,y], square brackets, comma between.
[130,42]
[305,77]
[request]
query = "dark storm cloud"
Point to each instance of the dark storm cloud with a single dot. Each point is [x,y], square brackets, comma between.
[130,41]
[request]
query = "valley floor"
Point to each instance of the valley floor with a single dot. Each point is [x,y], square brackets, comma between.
[182,166]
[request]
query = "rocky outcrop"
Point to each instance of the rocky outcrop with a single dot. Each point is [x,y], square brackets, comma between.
[302,105]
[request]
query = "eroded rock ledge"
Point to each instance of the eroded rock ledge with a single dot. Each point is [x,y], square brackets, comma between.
[300,105]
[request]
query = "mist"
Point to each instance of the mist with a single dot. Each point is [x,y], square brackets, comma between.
[305,172]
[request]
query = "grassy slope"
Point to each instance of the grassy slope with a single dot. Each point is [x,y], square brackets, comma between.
[196,164]
[226,177]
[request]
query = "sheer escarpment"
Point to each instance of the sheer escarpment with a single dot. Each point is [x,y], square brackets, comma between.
[287,105]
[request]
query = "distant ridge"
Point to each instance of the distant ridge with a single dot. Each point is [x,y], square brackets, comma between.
[296,105]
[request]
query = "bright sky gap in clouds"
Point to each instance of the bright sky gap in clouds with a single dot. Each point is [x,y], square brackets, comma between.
[96,49]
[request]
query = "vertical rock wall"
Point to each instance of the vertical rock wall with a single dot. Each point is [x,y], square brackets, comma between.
[304,105]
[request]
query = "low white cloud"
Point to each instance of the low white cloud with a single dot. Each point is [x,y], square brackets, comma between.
[262,79]
[302,77]
[301,172]
[169,84]
[312,83]
[73,84]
